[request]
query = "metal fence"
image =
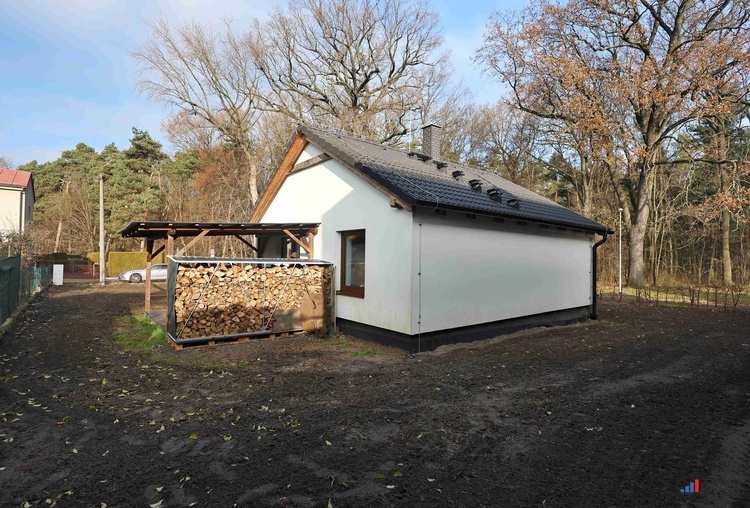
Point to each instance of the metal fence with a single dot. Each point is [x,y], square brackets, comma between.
[18,283]
[706,296]
[74,268]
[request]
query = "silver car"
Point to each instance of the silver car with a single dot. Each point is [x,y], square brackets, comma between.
[158,272]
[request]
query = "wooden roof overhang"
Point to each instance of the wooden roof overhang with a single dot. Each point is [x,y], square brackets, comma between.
[156,230]
[302,234]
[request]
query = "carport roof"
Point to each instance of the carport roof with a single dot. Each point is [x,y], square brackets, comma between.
[155,230]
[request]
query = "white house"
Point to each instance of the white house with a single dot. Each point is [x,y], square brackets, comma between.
[16,201]
[427,251]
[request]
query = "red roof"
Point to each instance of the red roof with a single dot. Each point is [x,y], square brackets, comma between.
[14,178]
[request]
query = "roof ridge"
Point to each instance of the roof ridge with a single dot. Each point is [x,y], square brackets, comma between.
[344,134]
[400,150]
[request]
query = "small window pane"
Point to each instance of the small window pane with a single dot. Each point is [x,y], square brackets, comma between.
[355,256]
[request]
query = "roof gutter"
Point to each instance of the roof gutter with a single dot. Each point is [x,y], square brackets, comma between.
[594,314]
[551,223]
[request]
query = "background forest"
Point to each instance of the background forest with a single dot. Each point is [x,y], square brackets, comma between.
[617,109]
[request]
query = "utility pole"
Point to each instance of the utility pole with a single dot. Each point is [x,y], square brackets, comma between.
[102,261]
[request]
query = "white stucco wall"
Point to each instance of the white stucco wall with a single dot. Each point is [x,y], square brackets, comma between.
[477,271]
[340,200]
[10,210]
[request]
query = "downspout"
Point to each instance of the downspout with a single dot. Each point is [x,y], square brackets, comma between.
[593,314]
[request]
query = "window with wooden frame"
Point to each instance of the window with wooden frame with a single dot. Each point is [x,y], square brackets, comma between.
[352,263]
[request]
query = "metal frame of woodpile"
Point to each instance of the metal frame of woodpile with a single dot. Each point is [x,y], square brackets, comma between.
[213,300]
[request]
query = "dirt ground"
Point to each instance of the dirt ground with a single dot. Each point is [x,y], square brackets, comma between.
[621,412]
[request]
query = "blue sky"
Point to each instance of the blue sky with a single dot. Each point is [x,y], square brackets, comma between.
[66,75]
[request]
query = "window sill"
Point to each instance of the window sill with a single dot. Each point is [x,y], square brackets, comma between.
[352,292]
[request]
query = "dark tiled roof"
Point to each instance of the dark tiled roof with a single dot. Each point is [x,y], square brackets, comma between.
[422,182]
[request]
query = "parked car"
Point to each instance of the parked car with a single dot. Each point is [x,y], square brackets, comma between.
[158,272]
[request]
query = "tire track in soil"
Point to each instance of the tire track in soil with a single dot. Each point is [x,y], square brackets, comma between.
[727,484]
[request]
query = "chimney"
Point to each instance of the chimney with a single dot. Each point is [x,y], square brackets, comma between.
[431,140]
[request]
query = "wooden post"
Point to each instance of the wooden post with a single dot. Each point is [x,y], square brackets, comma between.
[311,243]
[170,251]
[149,257]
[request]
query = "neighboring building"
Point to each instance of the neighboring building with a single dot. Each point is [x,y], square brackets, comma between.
[16,201]
[428,251]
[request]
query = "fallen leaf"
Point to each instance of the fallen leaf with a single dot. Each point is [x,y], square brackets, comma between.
[328,443]
[194,435]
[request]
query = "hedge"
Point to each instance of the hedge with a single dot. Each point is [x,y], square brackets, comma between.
[121,261]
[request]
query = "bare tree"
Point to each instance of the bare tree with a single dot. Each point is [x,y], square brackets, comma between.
[209,76]
[357,65]
[5,162]
[636,72]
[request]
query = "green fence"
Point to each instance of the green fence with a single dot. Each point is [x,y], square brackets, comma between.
[18,283]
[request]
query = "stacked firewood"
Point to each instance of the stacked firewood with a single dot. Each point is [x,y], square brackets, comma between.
[227,298]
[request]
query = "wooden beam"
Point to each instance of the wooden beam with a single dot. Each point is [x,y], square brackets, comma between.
[158,251]
[238,237]
[301,243]
[195,239]
[310,162]
[286,167]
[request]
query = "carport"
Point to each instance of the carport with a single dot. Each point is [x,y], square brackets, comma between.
[254,235]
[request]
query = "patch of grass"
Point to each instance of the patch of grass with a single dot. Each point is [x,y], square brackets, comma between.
[138,333]
[365,352]
[337,340]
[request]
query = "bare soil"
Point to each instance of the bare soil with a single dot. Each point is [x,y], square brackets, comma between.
[620,412]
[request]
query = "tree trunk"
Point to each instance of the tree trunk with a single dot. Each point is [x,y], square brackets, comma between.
[638,233]
[57,237]
[726,256]
[722,149]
